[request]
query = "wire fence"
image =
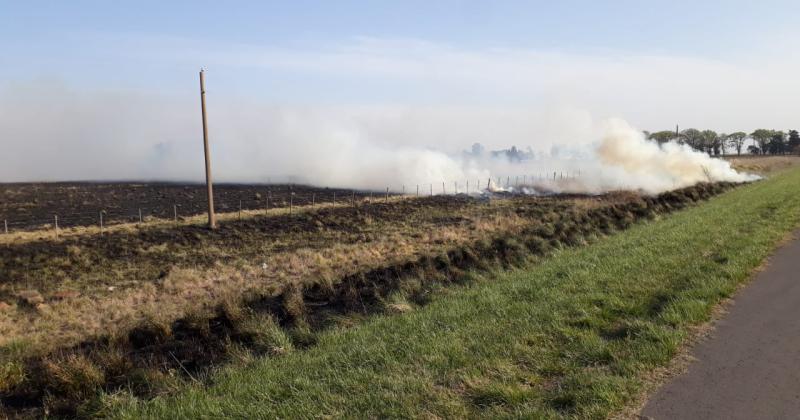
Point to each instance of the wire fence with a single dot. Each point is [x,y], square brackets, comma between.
[179,208]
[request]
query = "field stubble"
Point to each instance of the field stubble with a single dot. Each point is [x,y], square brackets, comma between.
[27,206]
[763,165]
[145,308]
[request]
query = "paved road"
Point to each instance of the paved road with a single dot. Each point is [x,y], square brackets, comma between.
[749,367]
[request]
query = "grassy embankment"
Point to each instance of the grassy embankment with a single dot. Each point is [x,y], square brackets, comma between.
[575,335]
[141,331]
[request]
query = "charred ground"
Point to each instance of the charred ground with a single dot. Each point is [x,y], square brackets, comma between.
[31,205]
[145,307]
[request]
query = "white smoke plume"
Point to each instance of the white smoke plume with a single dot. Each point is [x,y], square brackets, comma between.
[653,168]
[51,133]
[625,159]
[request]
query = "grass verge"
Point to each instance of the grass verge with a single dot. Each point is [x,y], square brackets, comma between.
[573,336]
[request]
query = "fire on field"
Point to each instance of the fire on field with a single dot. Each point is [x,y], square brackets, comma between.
[145,308]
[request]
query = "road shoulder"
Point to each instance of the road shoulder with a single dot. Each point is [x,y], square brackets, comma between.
[749,364]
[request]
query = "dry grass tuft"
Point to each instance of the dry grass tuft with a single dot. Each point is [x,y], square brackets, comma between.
[264,335]
[72,374]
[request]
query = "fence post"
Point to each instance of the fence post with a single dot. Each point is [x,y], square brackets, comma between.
[488,183]
[101,221]
[431,190]
[291,202]
[140,216]
[417,190]
[444,192]
[334,198]
[5,226]
[455,187]
[313,199]
[387,194]
[240,212]
[175,213]
[56,218]
[353,199]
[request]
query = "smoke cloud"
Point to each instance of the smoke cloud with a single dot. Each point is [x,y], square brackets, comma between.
[53,133]
[654,168]
[624,159]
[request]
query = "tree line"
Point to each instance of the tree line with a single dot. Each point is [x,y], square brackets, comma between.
[763,141]
[513,154]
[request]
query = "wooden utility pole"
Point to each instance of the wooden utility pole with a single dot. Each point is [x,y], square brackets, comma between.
[212,220]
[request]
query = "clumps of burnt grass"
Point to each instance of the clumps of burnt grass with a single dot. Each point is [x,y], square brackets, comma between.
[147,252]
[157,357]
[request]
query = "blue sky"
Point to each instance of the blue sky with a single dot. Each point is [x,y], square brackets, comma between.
[121,77]
[676,26]
[101,44]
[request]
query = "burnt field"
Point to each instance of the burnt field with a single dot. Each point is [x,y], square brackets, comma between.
[35,205]
[140,307]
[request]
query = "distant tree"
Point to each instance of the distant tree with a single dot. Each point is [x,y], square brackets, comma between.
[777,143]
[513,154]
[478,149]
[794,142]
[662,137]
[736,140]
[762,137]
[753,149]
[719,144]
[517,155]
[692,137]
[708,141]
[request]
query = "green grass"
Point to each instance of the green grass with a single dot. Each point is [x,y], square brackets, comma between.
[574,335]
